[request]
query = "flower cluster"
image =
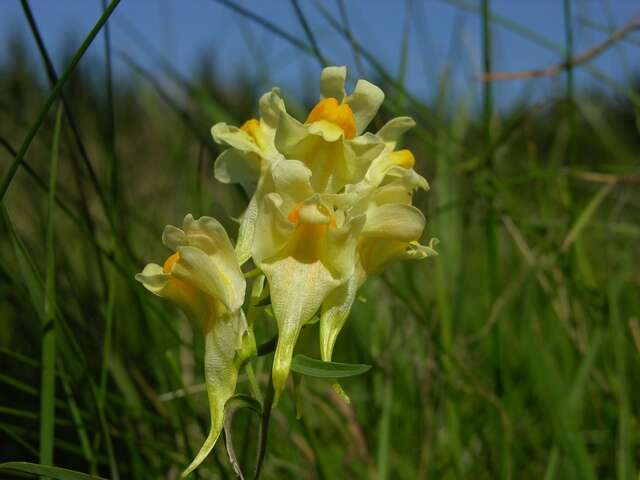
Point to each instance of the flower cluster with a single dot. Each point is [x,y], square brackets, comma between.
[330,206]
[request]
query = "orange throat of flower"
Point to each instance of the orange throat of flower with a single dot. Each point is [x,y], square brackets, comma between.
[309,242]
[340,114]
[252,128]
[170,262]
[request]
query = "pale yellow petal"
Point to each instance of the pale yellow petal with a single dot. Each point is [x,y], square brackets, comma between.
[273,226]
[207,260]
[364,102]
[292,181]
[271,107]
[234,137]
[193,302]
[332,81]
[394,129]
[233,166]
[397,221]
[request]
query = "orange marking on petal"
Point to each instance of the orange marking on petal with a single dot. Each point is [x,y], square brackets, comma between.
[404,158]
[252,128]
[170,262]
[339,114]
[294,214]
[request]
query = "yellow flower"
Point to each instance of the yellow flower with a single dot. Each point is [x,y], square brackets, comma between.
[303,241]
[252,144]
[390,232]
[252,152]
[203,278]
[331,205]
[306,248]
[332,142]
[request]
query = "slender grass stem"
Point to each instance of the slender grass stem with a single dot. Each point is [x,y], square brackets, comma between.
[307,30]
[490,226]
[53,96]
[53,80]
[48,381]
[570,155]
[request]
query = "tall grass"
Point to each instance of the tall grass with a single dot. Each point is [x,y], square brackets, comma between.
[514,354]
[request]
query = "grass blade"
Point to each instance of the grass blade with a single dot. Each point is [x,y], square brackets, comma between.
[384,431]
[53,80]
[53,95]
[585,216]
[624,448]
[51,472]
[48,382]
[309,33]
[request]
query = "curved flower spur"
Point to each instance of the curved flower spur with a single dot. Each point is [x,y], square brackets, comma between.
[204,279]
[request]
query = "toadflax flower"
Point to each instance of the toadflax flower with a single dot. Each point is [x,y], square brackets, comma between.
[204,279]
[331,205]
[252,152]
[390,232]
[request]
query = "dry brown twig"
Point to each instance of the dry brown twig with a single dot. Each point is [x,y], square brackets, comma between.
[599,177]
[583,57]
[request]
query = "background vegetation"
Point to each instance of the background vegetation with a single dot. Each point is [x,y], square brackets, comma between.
[514,354]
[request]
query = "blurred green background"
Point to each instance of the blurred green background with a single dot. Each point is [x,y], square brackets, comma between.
[513,354]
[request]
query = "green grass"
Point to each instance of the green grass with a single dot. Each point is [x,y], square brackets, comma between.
[514,354]
[48,385]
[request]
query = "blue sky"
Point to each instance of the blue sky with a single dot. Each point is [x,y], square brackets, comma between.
[186,30]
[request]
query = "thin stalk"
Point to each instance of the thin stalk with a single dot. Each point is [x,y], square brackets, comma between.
[354,46]
[48,380]
[75,132]
[104,426]
[245,12]
[539,39]
[53,96]
[309,33]
[253,382]
[53,79]
[624,451]
[111,124]
[404,47]
[78,422]
[106,346]
[490,228]
[570,155]
[384,430]
[264,427]
[67,211]
[113,189]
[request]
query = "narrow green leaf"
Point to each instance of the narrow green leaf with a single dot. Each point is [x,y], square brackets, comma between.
[56,473]
[587,213]
[19,357]
[76,416]
[317,368]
